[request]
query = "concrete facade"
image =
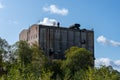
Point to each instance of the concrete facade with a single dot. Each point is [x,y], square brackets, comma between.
[54,40]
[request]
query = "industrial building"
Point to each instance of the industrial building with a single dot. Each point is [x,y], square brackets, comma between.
[54,40]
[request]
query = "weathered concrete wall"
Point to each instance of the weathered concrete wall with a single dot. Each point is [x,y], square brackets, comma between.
[23,35]
[33,34]
[58,40]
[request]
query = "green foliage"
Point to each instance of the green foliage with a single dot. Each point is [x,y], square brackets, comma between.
[4,49]
[38,56]
[80,57]
[24,52]
[55,67]
[102,73]
[80,75]
[46,75]
[30,63]
[76,59]
[14,74]
[39,60]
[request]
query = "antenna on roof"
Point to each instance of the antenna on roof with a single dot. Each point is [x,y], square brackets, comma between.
[58,24]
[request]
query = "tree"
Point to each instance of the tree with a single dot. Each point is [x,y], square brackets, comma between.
[24,52]
[55,67]
[4,50]
[102,73]
[77,59]
[39,60]
[38,55]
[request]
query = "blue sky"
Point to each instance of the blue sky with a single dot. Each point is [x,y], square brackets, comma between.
[101,15]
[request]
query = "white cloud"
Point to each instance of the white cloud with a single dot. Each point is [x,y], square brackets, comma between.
[114,43]
[47,21]
[103,40]
[55,10]
[103,61]
[108,62]
[117,62]
[1,5]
